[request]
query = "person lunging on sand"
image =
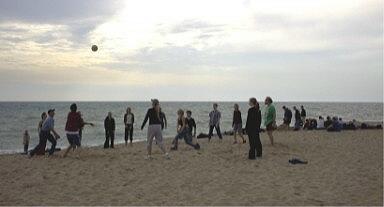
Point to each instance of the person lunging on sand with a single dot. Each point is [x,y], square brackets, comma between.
[129,119]
[182,132]
[109,126]
[252,128]
[269,118]
[237,124]
[154,128]
[214,122]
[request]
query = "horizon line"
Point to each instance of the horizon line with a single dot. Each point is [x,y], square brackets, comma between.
[202,101]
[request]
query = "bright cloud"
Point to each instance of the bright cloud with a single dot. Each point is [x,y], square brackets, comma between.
[287,45]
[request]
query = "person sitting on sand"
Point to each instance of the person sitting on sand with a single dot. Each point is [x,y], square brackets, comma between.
[154,128]
[46,132]
[310,124]
[129,120]
[341,122]
[298,121]
[26,139]
[214,122]
[182,132]
[307,125]
[82,126]
[336,126]
[313,123]
[328,122]
[72,128]
[109,126]
[252,128]
[320,123]
[269,118]
[237,124]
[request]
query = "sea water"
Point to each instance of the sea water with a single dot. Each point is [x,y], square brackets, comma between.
[15,117]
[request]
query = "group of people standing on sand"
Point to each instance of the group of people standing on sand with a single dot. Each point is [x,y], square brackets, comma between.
[186,128]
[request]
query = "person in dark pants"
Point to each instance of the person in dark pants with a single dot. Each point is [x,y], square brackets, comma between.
[298,121]
[252,128]
[303,113]
[45,133]
[182,132]
[40,148]
[109,126]
[214,122]
[129,119]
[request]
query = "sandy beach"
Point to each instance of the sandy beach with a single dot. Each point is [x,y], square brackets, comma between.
[344,168]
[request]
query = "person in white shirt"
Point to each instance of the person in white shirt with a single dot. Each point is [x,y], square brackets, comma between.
[320,123]
[129,119]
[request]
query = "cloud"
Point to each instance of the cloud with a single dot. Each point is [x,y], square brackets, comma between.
[278,43]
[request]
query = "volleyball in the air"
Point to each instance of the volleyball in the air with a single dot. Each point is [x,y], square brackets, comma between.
[94,48]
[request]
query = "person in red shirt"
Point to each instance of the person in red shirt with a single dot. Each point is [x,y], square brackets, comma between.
[72,128]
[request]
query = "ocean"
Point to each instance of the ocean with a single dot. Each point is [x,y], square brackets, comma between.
[15,117]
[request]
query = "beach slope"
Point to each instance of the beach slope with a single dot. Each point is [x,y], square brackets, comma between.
[344,168]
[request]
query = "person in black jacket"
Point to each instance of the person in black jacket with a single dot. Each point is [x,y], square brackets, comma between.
[252,128]
[129,119]
[109,126]
[237,124]
[298,121]
[303,113]
[154,128]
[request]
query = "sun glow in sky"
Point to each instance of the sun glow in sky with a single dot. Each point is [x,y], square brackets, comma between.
[191,50]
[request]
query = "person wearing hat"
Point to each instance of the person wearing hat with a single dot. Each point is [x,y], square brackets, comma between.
[48,132]
[154,128]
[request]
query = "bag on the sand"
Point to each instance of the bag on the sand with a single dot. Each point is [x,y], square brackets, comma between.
[295,161]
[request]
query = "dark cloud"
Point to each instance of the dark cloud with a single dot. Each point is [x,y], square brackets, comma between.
[55,11]
[81,17]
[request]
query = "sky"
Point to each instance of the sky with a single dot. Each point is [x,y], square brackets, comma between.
[191,50]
